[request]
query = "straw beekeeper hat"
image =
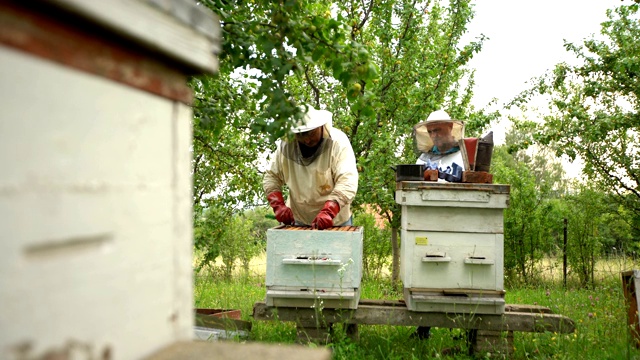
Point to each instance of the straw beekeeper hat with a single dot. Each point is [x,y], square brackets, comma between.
[421,135]
[313,119]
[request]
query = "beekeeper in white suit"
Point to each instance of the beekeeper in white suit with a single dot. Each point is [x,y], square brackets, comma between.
[438,140]
[319,168]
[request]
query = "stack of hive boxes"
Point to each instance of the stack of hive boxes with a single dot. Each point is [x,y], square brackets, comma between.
[452,246]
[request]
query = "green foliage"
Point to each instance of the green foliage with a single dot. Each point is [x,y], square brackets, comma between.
[261,222]
[587,210]
[520,222]
[376,246]
[208,230]
[238,244]
[234,238]
[540,201]
[224,154]
[593,108]
[273,41]
[533,219]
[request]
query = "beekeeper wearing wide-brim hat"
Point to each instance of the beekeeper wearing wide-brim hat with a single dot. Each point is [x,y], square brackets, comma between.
[319,168]
[438,140]
[312,119]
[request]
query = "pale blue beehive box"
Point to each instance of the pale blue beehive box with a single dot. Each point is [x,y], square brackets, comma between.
[452,253]
[321,268]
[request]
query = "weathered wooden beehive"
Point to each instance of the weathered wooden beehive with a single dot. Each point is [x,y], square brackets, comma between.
[452,246]
[95,184]
[320,268]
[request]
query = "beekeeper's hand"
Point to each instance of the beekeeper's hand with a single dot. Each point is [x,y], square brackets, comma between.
[283,212]
[324,219]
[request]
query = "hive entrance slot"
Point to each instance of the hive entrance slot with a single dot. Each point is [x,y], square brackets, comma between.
[436,257]
[459,293]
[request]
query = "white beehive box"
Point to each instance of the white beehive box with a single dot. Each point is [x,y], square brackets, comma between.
[96,244]
[321,268]
[452,244]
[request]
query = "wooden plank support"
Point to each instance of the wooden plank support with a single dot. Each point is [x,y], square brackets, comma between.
[489,342]
[396,313]
[221,323]
[534,309]
[313,334]
[323,333]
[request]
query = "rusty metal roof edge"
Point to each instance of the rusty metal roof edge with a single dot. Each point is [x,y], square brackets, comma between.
[180,29]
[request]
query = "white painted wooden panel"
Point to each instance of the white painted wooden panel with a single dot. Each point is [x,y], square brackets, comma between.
[341,251]
[424,302]
[339,299]
[465,269]
[442,197]
[94,213]
[455,219]
[182,235]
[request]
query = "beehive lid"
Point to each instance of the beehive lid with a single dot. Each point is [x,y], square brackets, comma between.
[429,185]
[304,227]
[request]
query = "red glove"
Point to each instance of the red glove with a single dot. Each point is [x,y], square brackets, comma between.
[324,219]
[282,211]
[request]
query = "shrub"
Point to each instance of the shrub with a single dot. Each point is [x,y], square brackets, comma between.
[376,246]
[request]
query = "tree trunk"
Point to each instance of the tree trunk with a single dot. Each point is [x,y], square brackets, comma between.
[395,252]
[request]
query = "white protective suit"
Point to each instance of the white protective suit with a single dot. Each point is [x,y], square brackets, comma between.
[331,175]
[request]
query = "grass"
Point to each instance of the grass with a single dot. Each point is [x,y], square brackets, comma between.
[600,315]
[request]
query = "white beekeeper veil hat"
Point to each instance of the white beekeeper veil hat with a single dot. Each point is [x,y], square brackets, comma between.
[421,133]
[313,119]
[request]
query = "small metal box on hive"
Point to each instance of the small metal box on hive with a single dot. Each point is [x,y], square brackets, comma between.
[452,245]
[308,267]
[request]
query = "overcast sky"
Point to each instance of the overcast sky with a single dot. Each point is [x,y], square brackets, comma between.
[526,38]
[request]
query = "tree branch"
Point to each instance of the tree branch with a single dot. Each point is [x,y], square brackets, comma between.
[314,88]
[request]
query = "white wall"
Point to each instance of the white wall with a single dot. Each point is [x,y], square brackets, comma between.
[95,214]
